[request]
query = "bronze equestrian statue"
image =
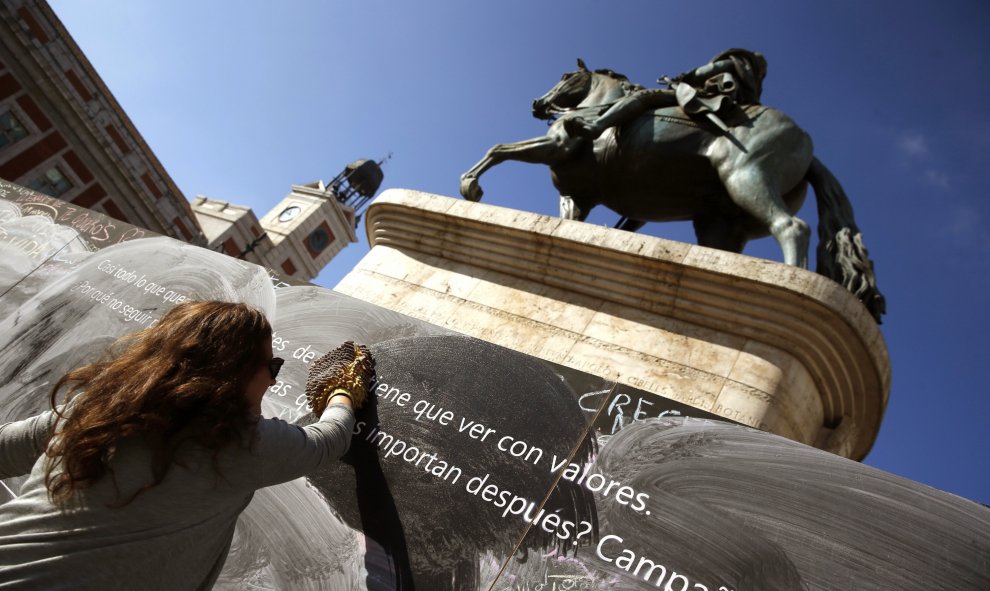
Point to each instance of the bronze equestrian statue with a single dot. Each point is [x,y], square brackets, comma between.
[705,150]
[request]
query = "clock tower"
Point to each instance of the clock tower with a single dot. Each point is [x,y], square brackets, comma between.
[300,235]
[307,228]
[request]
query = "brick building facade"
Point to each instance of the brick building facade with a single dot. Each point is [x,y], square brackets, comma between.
[63,133]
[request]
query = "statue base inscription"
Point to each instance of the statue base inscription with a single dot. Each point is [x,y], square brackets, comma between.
[768,345]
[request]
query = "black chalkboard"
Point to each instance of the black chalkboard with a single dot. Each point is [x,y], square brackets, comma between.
[477,467]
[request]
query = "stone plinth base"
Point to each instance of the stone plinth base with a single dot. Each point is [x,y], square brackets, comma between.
[768,345]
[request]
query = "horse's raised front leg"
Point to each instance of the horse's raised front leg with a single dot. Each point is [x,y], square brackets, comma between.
[542,150]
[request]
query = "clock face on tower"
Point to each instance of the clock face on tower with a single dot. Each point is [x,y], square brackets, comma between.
[289,213]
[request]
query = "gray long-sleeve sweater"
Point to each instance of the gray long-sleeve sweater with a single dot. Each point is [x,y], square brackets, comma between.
[173,536]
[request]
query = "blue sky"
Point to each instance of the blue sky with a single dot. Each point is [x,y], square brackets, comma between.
[240,100]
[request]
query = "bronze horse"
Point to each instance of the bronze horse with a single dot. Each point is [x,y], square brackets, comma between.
[666,165]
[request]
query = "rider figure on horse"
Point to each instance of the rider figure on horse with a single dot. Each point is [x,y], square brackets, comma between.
[733,77]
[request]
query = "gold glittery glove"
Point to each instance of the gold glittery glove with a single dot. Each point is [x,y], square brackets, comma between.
[346,370]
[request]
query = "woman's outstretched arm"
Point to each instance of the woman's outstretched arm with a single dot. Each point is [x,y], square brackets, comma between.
[283,452]
[23,442]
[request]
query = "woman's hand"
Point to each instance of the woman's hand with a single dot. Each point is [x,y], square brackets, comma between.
[344,371]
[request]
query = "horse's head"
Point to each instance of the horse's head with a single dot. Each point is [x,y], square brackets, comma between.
[582,88]
[566,94]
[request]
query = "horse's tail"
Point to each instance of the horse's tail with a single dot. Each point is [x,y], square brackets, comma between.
[841,254]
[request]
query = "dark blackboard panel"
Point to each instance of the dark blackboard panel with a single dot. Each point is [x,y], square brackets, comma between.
[93,228]
[735,508]
[82,305]
[498,416]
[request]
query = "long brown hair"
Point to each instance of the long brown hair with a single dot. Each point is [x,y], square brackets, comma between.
[181,380]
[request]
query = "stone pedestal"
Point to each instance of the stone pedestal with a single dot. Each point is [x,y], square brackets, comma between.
[768,345]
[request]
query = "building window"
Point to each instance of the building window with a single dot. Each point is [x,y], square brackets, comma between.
[230,247]
[288,267]
[319,239]
[11,129]
[52,183]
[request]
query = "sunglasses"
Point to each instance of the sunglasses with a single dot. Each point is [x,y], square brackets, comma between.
[274,365]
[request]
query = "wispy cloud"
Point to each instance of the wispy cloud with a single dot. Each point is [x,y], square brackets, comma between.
[964,221]
[914,149]
[937,178]
[964,227]
[912,143]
